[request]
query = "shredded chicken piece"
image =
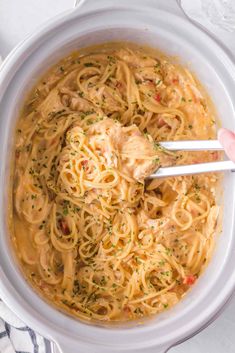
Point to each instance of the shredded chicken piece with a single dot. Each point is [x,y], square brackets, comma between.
[51,104]
[154,224]
[104,97]
[148,73]
[76,102]
[211,222]
[182,185]
[130,58]
[137,153]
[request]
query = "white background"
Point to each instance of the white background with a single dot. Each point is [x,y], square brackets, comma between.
[17,19]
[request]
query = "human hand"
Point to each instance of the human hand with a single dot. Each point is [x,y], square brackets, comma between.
[227,140]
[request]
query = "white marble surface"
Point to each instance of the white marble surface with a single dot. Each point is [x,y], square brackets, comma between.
[17,19]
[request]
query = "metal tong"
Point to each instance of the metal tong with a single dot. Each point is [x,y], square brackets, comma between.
[199,145]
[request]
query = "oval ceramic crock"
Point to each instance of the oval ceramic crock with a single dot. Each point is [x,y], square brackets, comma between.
[159,24]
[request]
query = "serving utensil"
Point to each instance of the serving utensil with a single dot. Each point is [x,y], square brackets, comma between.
[199,145]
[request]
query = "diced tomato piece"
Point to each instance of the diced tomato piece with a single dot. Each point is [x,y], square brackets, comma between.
[84,164]
[158,97]
[215,155]
[161,122]
[190,280]
[64,227]
[150,82]
[127,310]
[118,84]
[42,285]
[52,141]
[175,80]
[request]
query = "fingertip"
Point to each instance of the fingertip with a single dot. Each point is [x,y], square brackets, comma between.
[227,140]
[221,132]
[224,134]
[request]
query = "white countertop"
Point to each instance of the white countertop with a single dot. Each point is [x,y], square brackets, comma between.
[18,18]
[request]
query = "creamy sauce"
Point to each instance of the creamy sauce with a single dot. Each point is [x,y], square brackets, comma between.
[91,237]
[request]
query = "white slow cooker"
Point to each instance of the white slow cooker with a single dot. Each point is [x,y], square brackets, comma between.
[159,24]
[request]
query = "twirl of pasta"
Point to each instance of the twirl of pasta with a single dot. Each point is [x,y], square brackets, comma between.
[91,236]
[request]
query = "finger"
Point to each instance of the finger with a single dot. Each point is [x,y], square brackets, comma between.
[227,140]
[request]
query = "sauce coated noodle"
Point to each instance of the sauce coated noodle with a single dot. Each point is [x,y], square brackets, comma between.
[91,237]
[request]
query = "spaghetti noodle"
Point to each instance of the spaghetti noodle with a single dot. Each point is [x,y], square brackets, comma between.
[91,236]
